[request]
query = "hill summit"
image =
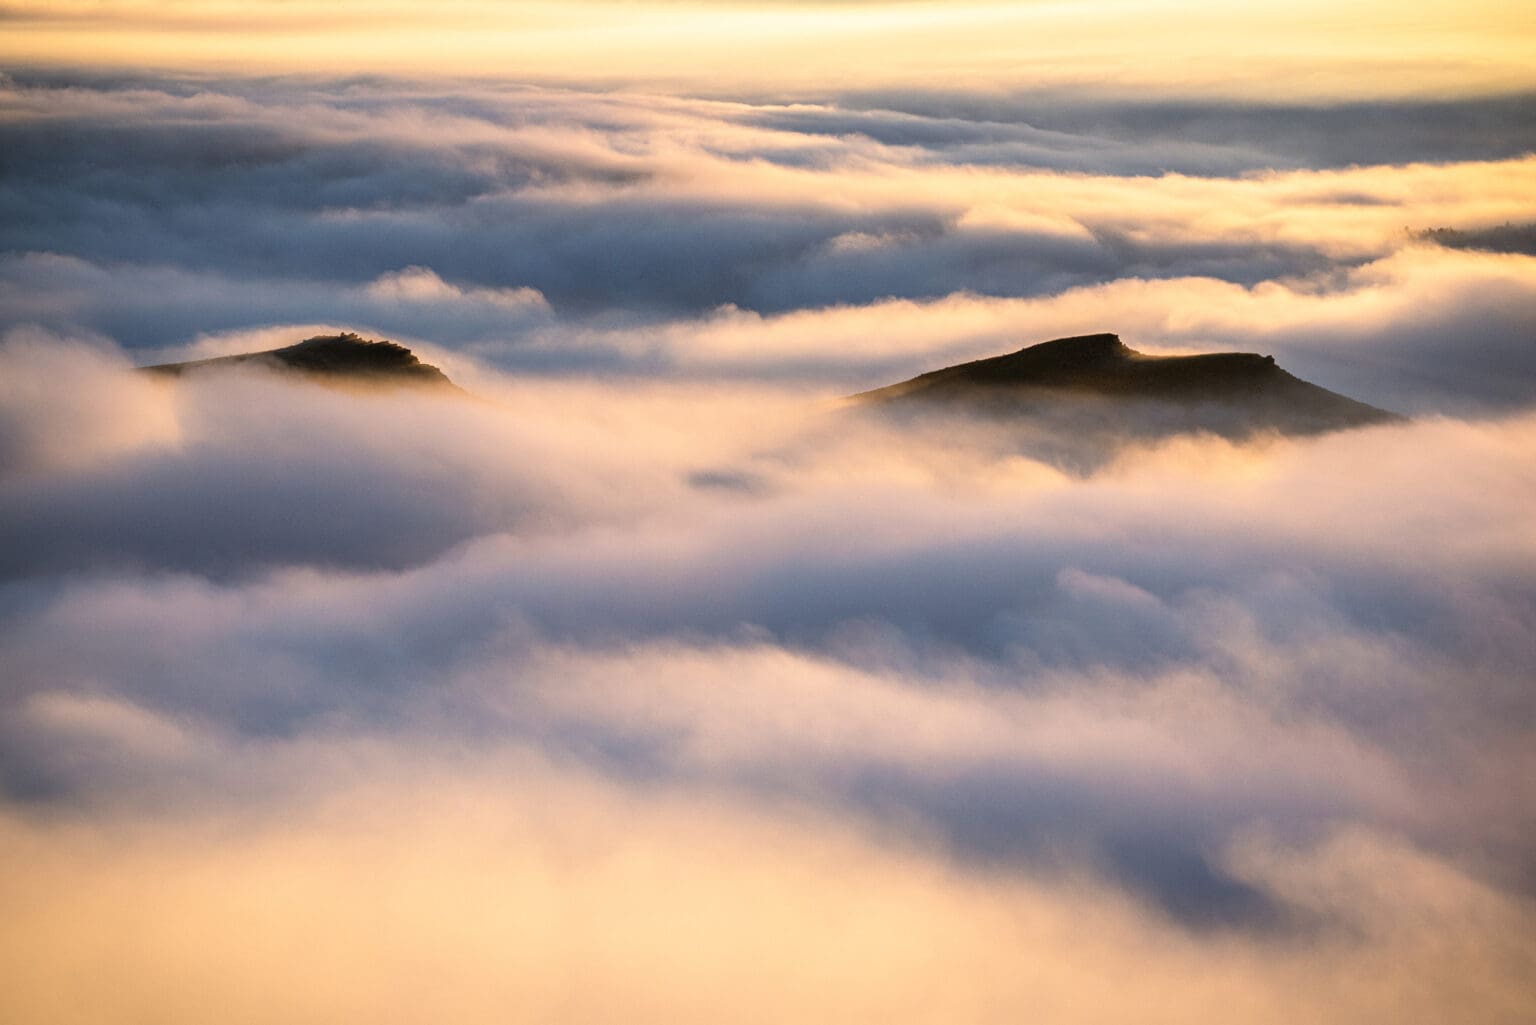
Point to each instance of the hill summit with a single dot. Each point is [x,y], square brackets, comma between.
[1107,385]
[343,358]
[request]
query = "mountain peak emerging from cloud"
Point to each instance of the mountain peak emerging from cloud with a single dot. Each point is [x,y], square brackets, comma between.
[343,358]
[1229,393]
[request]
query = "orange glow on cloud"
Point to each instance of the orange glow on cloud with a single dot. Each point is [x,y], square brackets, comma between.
[409,901]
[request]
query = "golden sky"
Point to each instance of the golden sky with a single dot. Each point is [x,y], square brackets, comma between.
[1307,48]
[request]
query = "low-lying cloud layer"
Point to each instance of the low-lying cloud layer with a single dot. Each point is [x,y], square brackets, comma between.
[154,210]
[1198,695]
[650,681]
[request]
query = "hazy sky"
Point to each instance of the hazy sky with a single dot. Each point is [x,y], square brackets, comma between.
[1257,50]
[649,682]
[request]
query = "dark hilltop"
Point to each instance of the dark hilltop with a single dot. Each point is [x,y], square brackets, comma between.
[1097,383]
[330,359]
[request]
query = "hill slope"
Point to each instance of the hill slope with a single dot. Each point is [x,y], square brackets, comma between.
[337,359]
[1109,386]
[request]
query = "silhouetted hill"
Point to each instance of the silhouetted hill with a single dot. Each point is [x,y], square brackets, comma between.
[344,358]
[1504,238]
[1095,383]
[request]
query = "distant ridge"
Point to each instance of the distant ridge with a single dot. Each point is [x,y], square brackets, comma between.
[343,358]
[1230,393]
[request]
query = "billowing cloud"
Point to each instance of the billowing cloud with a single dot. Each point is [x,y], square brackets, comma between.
[589,598]
[235,205]
[647,679]
[572,899]
[1196,704]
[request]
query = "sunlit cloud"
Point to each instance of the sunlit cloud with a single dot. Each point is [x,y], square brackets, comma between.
[645,675]
[591,901]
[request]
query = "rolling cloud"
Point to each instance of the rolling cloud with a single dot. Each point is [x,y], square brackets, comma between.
[1153,675]
[238,205]
[647,680]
